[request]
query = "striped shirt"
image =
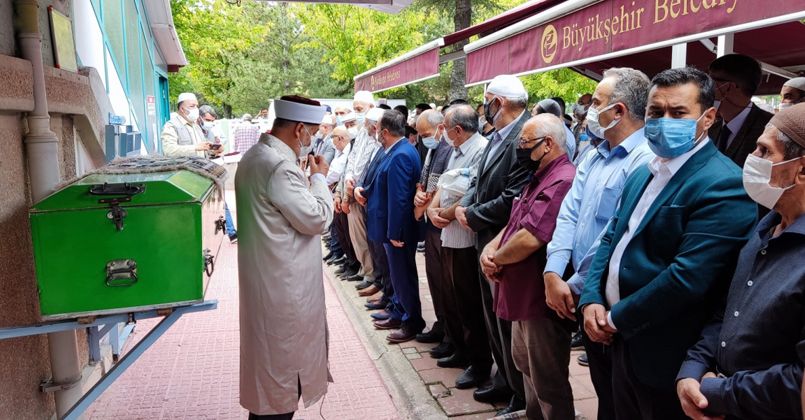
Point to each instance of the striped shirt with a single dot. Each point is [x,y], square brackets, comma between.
[467,155]
[246,136]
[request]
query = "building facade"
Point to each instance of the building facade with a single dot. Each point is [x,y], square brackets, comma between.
[55,125]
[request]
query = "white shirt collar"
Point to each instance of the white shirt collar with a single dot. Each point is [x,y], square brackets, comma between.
[671,166]
[739,119]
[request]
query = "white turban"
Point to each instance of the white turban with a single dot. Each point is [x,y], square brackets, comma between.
[364,96]
[299,112]
[507,86]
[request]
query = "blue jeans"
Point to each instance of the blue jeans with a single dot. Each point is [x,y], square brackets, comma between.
[230,226]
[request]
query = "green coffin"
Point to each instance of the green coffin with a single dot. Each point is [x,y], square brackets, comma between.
[120,243]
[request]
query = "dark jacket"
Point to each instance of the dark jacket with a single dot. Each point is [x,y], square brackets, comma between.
[675,271]
[489,198]
[745,141]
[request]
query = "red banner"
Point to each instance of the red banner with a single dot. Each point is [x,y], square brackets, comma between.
[418,67]
[614,25]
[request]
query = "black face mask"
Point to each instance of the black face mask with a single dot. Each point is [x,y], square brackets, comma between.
[488,112]
[524,158]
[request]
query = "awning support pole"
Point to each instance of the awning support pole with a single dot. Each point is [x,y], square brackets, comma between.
[726,43]
[679,55]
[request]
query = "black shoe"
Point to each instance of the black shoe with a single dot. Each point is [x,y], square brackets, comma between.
[233,238]
[441,351]
[471,378]
[349,272]
[363,285]
[514,406]
[338,260]
[432,336]
[375,306]
[582,359]
[420,247]
[328,256]
[491,394]
[354,277]
[453,361]
[341,270]
[576,343]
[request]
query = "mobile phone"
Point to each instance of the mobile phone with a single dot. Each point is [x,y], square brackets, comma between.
[216,146]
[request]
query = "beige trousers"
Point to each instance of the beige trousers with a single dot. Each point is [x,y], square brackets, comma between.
[357,233]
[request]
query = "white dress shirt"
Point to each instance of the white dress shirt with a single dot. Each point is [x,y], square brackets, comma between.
[736,123]
[663,170]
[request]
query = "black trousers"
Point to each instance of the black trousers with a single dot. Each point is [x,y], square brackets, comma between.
[465,320]
[434,270]
[381,277]
[500,342]
[342,232]
[635,400]
[286,416]
[600,359]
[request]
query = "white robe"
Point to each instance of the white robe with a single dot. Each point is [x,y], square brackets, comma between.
[283,336]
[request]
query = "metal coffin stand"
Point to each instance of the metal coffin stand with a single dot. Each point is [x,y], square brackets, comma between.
[99,327]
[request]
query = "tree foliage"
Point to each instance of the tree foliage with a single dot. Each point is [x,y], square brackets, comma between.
[242,56]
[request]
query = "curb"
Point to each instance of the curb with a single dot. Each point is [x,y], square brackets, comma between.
[412,400]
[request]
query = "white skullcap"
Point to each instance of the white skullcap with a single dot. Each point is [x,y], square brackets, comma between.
[375,114]
[295,111]
[186,96]
[349,117]
[364,96]
[507,86]
[328,119]
[796,83]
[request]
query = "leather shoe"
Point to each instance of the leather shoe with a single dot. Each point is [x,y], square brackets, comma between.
[491,394]
[576,343]
[328,256]
[362,285]
[380,315]
[374,305]
[388,324]
[514,406]
[430,337]
[583,360]
[441,351]
[338,260]
[354,277]
[369,291]
[472,377]
[401,336]
[453,361]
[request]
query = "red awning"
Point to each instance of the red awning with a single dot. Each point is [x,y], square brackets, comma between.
[414,66]
[423,62]
[599,34]
[500,21]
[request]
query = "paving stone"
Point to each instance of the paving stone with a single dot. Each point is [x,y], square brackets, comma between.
[424,363]
[438,391]
[460,401]
[414,355]
[447,377]
[586,409]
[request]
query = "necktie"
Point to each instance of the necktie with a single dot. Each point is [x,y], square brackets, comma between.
[723,138]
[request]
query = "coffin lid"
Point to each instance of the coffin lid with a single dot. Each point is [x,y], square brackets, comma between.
[160,188]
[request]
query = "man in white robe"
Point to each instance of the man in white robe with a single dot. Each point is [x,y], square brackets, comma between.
[282,213]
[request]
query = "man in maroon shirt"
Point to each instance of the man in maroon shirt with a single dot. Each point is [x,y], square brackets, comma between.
[515,260]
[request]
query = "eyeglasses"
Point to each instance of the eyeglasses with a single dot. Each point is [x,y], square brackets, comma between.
[523,141]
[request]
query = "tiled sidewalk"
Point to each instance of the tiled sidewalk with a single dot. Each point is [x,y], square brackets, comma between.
[440,382]
[192,371]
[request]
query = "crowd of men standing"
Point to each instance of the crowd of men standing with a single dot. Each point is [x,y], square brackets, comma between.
[664,226]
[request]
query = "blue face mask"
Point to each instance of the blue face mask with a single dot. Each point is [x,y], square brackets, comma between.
[430,142]
[671,137]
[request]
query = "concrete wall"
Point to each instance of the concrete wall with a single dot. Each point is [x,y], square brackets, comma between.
[24,361]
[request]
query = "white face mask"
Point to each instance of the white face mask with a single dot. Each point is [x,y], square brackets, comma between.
[208,125]
[353,131]
[594,125]
[304,150]
[756,178]
[447,138]
[192,114]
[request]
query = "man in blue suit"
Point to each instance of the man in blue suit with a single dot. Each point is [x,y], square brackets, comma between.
[664,264]
[390,198]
